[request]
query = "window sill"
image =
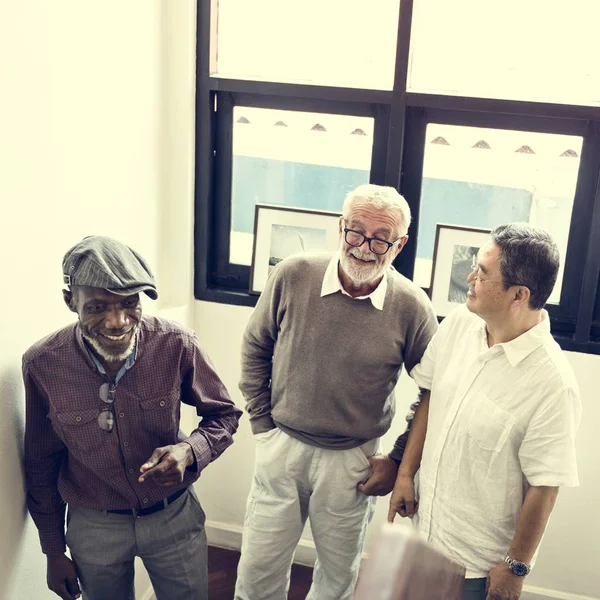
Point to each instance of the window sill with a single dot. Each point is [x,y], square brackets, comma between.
[223,295]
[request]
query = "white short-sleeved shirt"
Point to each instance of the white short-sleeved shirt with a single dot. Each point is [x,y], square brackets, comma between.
[500,419]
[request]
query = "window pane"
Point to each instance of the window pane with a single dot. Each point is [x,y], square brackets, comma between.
[534,50]
[330,42]
[486,177]
[300,159]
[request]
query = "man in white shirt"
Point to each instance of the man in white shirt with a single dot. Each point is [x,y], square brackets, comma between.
[495,438]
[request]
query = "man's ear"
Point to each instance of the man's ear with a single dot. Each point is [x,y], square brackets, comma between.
[401,244]
[522,295]
[69,300]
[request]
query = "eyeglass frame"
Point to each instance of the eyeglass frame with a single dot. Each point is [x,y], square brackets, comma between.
[369,240]
[109,400]
[475,267]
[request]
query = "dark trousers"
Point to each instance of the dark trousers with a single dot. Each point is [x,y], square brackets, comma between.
[475,589]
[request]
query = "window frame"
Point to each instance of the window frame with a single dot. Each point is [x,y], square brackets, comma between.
[401,119]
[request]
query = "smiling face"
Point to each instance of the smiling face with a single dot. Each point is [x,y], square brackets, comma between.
[108,321]
[359,263]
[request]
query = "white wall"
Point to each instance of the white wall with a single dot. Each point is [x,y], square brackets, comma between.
[96,137]
[567,565]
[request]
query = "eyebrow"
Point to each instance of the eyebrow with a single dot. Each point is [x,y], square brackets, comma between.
[482,268]
[96,301]
[381,231]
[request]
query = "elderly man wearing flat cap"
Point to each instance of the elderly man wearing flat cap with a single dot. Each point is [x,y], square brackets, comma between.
[102,435]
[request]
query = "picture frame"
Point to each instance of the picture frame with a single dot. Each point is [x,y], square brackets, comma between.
[454,248]
[280,231]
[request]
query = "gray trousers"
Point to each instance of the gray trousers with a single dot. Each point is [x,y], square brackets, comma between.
[171,544]
[475,589]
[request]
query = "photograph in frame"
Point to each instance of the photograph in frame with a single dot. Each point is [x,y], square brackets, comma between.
[454,251]
[281,231]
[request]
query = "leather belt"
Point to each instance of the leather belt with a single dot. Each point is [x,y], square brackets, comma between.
[149,510]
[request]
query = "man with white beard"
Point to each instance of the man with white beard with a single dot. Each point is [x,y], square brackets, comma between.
[102,435]
[320,360]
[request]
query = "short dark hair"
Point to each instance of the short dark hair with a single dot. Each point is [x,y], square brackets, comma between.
[529,257]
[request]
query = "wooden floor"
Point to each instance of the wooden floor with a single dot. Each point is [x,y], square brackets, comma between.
[222,567]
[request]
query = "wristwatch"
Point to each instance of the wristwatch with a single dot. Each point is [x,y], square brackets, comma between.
[517,568]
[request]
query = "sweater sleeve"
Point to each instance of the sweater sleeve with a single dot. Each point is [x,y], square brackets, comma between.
[257,352]
[419,336]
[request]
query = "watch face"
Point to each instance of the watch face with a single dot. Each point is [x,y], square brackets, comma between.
[519,569]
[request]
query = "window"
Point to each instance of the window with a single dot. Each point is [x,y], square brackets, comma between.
[533,50]
[293,158]
[337,42]
[476,121]
[482,177]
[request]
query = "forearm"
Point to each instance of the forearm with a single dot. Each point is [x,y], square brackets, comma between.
[212,437]
[50,526]
[400,443]
[411,460]
[46,507]
[533,518]
[255,383]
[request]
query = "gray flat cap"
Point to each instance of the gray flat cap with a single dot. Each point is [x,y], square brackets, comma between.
[103,262]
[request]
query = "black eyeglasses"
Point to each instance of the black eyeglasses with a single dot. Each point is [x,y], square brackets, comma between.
[106,418]
[376,245]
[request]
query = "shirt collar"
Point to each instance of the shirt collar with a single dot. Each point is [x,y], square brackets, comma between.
[332,284]
[100,367]
[521,347]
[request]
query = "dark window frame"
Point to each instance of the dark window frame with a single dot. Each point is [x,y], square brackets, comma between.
[401,118]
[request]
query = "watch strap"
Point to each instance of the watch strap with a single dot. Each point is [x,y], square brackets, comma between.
[518,568]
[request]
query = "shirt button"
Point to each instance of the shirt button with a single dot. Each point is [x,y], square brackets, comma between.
[145,500]
[121,414]
[131,470]
[125,443]
[78,419]
[162,402]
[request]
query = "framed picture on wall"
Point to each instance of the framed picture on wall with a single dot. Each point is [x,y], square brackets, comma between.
[280,231]
[453,255]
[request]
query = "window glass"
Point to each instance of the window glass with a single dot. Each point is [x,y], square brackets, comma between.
[328,42]
[478,177]
[512,49]
[297,159]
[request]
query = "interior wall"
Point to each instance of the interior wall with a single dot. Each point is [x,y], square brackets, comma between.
[96,137]
[566,567]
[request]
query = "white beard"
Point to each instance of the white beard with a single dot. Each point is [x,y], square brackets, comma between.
[107,356]
[361,273]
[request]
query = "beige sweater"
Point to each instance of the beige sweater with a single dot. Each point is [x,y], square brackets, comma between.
[324,369]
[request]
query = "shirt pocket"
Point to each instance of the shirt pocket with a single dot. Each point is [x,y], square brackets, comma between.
[80,429]
[161,414]
[490,425]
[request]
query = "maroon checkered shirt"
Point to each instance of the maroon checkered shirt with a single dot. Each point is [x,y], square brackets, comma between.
[70,459]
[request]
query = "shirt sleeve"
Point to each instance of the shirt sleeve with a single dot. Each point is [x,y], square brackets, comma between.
[202,388]
[423,373]
[547,453]
[257,353]
[44,454]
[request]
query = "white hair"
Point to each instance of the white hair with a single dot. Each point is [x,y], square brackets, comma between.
[381,197]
